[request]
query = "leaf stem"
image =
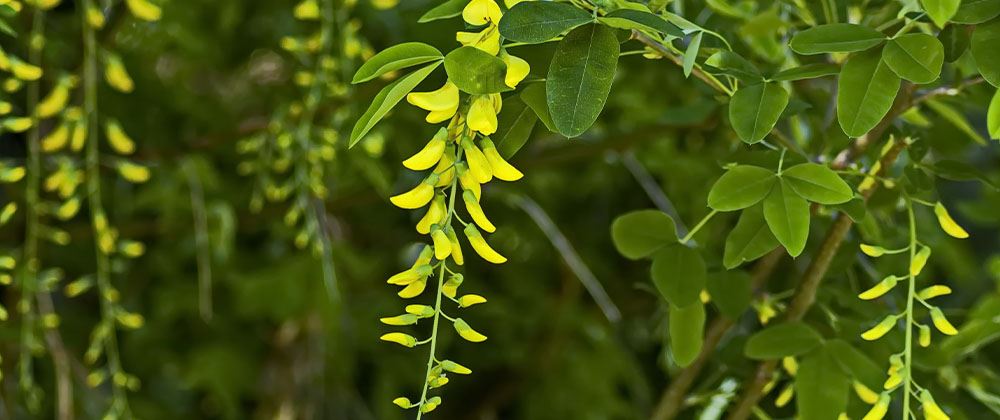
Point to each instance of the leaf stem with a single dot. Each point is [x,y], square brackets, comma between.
[698,227]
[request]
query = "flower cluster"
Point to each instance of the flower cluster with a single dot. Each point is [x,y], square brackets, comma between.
[460,158]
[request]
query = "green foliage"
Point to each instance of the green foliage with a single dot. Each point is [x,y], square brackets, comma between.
[580,77]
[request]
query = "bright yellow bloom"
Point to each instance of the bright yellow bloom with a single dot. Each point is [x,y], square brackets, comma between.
[431,154]
[95,17]
[399,320]
[118,139]
[453,367]
[880,408]
[307,10]
[865,393]
[446,167]
[466,332]
[17,124]
[24,71]
[941,323]
[501,169]
[68,209]
[925,336]
[456,248]
[480,12]
[934,291]
[931,410]
[419,196]
[481,247]
[879,289]
[130,320]
[414,289]
[948,224]
[399,338]
[478,165]
[469,300]
[384,4]
[450,287]
[880,329]
[421,311]
[116,75]
[517,69]
[468,181]
[430,405]
[790,365]
[56,139]
[487,40]
[482,115]
[79,136]
[893,380]
[56,99]
[402,402]
[435,213]
[472,205]
[442,247]
[133,173]
[413,274]
[5,107]
[872,251]
[442,103]
[919,260]
[144,10]
[785,396]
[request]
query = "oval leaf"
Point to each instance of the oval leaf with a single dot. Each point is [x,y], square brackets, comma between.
[679,274]
[787,215]
[993,116]
[640,20]
[808,71]
[640,233]
[782,340]
[580,77]
[817,183]
[915,57]
[731,292]
[476,71]
[940,11]
[973,12]
[836,37]
[749,240]
[448,9]
[386,99]
[394,58]
[686,328]
[865,92]
[516,122]
[821,387]
[533,22]
[755,109]
[740,187]
[984,43]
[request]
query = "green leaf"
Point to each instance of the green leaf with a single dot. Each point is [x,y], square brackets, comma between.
[740,187]
[516,122]
[448,9]
[730,291]
[755,109]
[955,40]
[640,20]
[640,233]
[821,387]
[792,338]
[686,328]
[808,71]
[533,22]
[580,77]
[749,240]
[476,71]
[691,53]
[993,117]
[787,215]
[730,63]
[915,57]
[679,274]
[855,363]
[386,99]
[394,58]
[960,171]
[973,12]
[940,11]
[817,183]
[956,118]
[855,209]
[835,37]
[984,43]
[534,96]
[866,90]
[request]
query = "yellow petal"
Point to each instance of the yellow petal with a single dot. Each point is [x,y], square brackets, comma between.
[144,10]
[482,117]
[430,155]
[56,100]
[116,75]
[919,260]
[402,402]
[785,396]
[56,139]
[445,167]
[468,300]
[414,289]
[132,172]
[442,99]
[948,224]
[307,10]
[435,117]
[417,197]
[880,329]
[879,289]
[405,340]
[893,380]
[468,181]
[453,367]
[880,408]
[472,205]
[24,71]
[481,247]
[450,287]
[399,320]
[487,40]
[480,12]
[95,17]
[872,251]
[501,169]
[478,165]
[17,124]
[934,291]
[442,246]
[790,365]
[517,69]
[865,393]
[925,336]
[422,311]
[434,214]
[456,248]
[931,410]
[941,323]
[118,139]
[79,136]
[466,332]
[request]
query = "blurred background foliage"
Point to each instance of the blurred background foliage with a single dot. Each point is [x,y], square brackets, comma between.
[212,73]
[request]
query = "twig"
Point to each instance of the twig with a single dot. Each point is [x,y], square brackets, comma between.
[202,246]
[653,190]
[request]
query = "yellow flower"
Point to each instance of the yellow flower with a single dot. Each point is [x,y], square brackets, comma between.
[482,115]
[785,396]
[487,40]
[948,224]
[95,17]
[517,69]
[17,124]
[402,402]
[472,205]
[480,12]
[941,323]
[450,287]
[453,367]
[934,291]
[466,332]
[445,167]
[442,247]
[925,336]
[879,289]
[144,10]
[413,274]
[434,214]
[431,153]
[414,289]
[430,404]
[116,75]
[56,139]
[24,71]
[307,10]
[442,103]
[872,251]
[399,320]
[880,329]
[865,393]
[931,410]
[478,165]
[56,99]
[481,247]
[68,209]
[384,4]
[79,136]
[501,169]
[919,260]
[399,338]
[421,311]
[118,139]
[419,196]
[880,408]
[468,300]
[133,172]
[790,365]
[893,380]
[456,248]
[130,320]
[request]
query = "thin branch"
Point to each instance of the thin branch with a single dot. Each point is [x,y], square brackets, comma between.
[653,190]
[202,247]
